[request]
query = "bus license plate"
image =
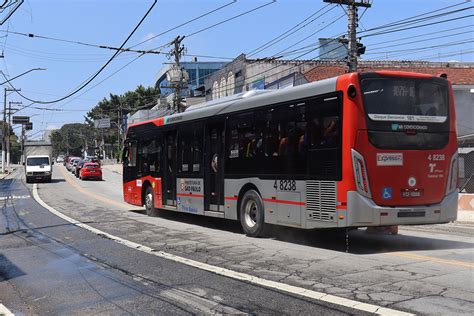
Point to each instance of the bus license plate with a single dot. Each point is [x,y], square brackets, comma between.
[411,214]
[411,193]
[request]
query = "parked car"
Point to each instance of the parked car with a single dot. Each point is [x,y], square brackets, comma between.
[90,170]
[78,168]
[92,159]
[70,161]
[73,163]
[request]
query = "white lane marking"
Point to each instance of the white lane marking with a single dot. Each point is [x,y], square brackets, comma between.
[375,309]
[5,311]
[13,197]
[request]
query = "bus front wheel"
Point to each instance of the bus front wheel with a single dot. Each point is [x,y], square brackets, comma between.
[149,201]
[252,214]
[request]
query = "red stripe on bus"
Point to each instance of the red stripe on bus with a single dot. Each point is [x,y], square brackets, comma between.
[284,202]
[190,195]
[231,198]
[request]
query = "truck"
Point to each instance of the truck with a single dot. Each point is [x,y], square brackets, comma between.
[38,161]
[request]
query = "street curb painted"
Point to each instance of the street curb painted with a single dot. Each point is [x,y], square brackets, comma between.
[318,296]
[5,311]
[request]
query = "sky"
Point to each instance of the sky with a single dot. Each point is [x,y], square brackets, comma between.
[109,22]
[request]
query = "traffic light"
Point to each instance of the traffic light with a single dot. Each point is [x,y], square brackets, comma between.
[360,49]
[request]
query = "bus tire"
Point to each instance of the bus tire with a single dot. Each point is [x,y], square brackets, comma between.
[252,217]
[149,201]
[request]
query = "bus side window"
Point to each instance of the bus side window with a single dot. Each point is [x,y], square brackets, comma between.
[132,154]
[197,148]
[125,151]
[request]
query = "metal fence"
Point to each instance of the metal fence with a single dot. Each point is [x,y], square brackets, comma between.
[466,170]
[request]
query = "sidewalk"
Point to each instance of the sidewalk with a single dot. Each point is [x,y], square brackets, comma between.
[4,175]
[117,168]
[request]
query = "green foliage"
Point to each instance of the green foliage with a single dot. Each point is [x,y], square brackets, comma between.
[73,139]
[129,102]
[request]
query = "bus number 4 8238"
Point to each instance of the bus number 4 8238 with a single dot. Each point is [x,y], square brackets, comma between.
[285,185]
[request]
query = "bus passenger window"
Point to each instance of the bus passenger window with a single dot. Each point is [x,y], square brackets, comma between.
[331,132]
[132,154]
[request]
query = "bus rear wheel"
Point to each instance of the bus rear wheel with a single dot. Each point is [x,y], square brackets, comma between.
[252,214]
[149,201]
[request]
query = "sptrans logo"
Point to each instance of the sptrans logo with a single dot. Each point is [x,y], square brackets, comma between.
[390,159]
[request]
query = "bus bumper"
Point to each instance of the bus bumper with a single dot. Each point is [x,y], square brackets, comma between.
[362,211]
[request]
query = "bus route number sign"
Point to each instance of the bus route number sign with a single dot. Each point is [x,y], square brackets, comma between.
[285,185]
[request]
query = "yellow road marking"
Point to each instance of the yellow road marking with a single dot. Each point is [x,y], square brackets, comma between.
[95,196]
[433,259]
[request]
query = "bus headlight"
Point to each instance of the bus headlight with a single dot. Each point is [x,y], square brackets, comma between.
[453,174]
[360,174]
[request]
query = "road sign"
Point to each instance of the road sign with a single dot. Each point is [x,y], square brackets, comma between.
[102,123]
[21,119]
[28,126]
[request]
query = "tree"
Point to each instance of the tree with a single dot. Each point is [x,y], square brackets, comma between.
[73,139]
[116,107]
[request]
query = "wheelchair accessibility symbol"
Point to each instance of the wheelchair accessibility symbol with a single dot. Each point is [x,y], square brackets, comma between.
[387,193]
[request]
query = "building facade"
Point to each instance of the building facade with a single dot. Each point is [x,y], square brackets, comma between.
[197,71]
[243,74]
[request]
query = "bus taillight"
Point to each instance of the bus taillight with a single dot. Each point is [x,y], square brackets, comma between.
[453,175]
[360,174]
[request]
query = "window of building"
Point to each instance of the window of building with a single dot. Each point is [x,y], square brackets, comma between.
[223,88]
[230,83]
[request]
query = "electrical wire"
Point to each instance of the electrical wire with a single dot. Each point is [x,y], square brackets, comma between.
[184,23]
[230,19]
[416,49]
[407,20]
[98,72]
[417,41]
[421,35]
[264,46]
[418,26]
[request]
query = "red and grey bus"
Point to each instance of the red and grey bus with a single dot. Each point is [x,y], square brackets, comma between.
[357,150]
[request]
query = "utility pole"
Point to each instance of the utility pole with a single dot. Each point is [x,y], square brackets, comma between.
[9,124]
[176,73]
[6,129]
[355,49]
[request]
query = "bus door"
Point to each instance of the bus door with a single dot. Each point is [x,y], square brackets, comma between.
[169,172]
[214,168]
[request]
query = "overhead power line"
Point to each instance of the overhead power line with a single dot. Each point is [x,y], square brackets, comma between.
[410,19]
[98,72]
[419,26]
[231,18]
[185,23]
[290,31]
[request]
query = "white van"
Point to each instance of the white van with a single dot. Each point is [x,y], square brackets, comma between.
[38,167]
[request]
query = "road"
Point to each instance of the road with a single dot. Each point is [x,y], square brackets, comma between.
[121,260]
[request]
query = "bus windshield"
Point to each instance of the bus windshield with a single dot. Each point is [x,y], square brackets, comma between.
[405,100]
[406,113]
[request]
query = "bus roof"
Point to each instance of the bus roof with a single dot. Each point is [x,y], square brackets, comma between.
[244,101]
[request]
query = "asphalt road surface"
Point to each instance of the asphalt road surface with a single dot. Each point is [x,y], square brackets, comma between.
[48,265]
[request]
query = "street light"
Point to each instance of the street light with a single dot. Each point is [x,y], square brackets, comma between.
[5,111]
[24,73]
